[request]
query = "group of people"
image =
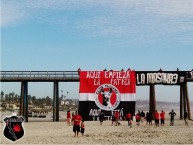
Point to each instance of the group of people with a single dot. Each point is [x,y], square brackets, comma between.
[158,117]
[77,122]
[115,118]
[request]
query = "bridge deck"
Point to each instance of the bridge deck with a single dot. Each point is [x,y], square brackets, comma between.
[39,76]
[45,76]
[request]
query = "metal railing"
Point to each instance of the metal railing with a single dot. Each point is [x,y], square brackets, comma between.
[43,76]
[39,76]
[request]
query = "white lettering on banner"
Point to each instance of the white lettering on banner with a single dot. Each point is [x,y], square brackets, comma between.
[109,74]
[118,75]
[175,79]
[140,79]
[95,118]
[156,78]
[93,74]
[96,82]
[120,82]
[116,78]
[94,112]
[167,78]
[119,110]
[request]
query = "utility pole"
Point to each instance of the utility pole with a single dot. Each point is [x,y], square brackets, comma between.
[67,94]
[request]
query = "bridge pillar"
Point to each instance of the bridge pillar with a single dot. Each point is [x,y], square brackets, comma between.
[21,99]
[56,102]
[187,100]
[152,100]
[24,100]
[184,98]
[181,102]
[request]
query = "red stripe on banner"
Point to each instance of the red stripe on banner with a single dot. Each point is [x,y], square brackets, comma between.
[124,81]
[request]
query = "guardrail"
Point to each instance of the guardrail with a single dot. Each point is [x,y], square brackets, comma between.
[39,76]
[43,76]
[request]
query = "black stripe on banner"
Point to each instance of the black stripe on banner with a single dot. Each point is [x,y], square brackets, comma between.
[89,110]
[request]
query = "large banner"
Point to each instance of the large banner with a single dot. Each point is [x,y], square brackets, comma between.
[160,77]
[106,91]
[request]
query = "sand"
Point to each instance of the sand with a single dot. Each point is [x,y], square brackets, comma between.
[60,133]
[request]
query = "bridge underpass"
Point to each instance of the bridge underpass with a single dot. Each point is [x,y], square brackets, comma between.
[39,76]
[73,76]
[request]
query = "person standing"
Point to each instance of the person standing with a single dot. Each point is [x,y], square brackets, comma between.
[147,118]
[101,117]
[72,119]
[138,118]
[129,119]
[172,114]
[150,118]
[162,116]
[76,127]
[82,128]
[68,117]
[142,116]
[185,118]
[113,118]
[117,118]
[156,118]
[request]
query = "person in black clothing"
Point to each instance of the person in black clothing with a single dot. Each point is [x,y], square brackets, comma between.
[113,117]
[101,117]
[172,115]
[185,118]
[139,113]
[142,116]
[147,118]
[150,118]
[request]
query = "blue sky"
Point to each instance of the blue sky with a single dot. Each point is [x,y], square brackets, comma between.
[96,34]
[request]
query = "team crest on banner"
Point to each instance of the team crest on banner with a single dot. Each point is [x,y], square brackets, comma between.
[107,97]
[14,129]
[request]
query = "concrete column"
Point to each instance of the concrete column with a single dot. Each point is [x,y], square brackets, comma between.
[187,100]
[21,99]
[152,99]
[184,98]
[181,102]
[56,102]
[25,102]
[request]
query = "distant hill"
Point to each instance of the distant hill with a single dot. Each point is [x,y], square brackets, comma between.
[160,105]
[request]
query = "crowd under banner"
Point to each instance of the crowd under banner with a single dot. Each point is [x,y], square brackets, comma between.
[106,91]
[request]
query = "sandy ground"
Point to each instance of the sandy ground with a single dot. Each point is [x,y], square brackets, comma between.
[40,132]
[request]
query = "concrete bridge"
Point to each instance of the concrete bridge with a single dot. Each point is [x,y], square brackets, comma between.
[150,78]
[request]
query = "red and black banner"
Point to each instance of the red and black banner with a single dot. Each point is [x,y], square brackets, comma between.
[106,91]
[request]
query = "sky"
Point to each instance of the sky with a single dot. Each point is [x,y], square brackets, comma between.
[63,35]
